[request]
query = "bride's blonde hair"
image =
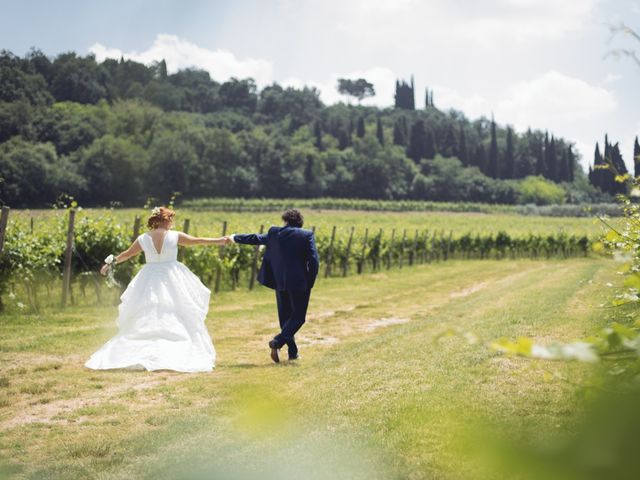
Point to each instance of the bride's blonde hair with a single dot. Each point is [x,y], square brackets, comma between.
[160,216]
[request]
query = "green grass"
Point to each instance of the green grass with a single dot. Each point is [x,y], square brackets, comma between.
[395,369]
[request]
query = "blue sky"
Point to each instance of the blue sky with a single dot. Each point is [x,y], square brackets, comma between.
[536,63]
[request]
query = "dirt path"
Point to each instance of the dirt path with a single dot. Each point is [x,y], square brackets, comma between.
[391,300]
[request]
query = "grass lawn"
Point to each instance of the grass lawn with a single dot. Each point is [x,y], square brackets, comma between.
[395,368]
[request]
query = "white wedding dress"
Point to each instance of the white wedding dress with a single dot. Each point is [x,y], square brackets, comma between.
[161,317]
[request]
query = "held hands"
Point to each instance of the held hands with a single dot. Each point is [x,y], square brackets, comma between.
[226,240]
[104,269]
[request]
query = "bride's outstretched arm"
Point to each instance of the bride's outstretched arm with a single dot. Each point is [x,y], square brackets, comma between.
[132,251]
[187,240]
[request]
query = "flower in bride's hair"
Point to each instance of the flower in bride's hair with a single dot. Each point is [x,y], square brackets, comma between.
[155,211]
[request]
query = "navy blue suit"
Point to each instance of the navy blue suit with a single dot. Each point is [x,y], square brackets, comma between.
[290,267]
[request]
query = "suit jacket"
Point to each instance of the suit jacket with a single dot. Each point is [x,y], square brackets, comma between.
[291,259]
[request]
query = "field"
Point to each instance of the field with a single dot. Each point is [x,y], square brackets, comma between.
[396,373]
[210,222]
[395,368]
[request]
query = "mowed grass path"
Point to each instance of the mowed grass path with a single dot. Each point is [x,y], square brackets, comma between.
[394,365]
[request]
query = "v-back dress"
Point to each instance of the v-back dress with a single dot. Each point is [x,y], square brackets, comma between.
[161,321]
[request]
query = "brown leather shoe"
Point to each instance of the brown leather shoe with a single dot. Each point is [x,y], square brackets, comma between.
[274,351]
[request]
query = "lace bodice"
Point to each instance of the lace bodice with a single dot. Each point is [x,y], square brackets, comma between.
[168,252]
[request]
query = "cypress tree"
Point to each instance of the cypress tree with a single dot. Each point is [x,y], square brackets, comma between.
[417,142]
[571,165]
[405,129]
[597,172]
[412,99]
[539,155]
[379,131]
[552,161]
[602,175]
[462,151]
[430,146]
[162,69]
[563,167]
[636,158]
[344,138]
[449,147]
[545,156]
[619,168]
[405,95]
[492,167]
[428,99]
[399,137]
[360,127]
[481,158]
[509,157]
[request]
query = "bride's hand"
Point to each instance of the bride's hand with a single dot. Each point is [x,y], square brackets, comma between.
[104,269]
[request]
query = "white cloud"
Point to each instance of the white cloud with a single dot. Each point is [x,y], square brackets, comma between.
[383,6]
[487,23]
[472,105]
[554,99]
[612,77]
[180,54]
[567,106]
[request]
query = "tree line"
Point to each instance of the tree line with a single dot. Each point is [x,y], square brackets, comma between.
[609,172]
[121,131]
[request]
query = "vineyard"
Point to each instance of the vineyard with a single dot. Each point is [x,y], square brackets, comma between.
[349,243]
[262,205]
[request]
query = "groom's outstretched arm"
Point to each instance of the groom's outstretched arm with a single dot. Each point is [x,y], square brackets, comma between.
[250,238]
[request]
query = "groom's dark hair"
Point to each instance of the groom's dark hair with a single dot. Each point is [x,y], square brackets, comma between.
[293,218]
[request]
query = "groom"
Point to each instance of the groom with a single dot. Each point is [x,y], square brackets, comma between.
[290,267]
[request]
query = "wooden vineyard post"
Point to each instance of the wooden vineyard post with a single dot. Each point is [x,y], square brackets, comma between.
[390,254]
[68,253]
[254,262]
[31,224]
[363,252]
[404,238]
[441,250]
[425,247]
[412,254]
[329,259]
[379,252]
[185,229]
[4,219]
[136,228]
[345,264]
[219,270]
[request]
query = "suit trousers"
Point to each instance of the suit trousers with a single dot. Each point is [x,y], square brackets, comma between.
[292,312]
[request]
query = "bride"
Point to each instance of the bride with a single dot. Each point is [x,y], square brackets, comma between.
[162,313]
